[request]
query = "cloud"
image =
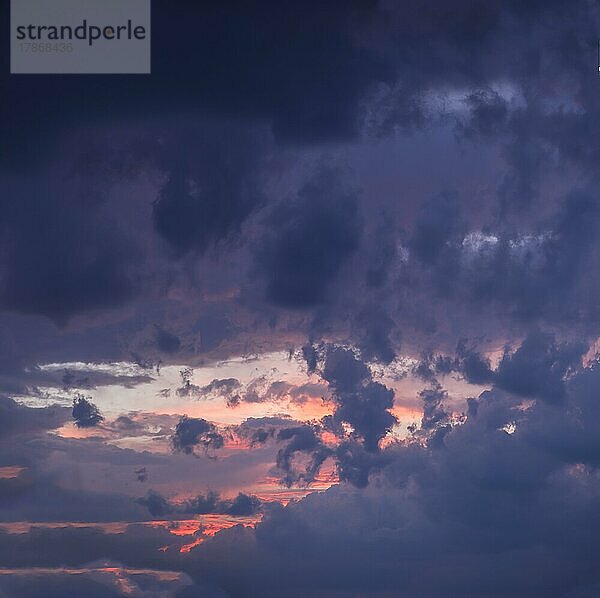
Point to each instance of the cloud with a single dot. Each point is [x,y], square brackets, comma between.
[308,241]
[171,217]
[54,225]
[301,440]
[99,579]
[360,401]
[193,432]
[491,498]
[242,505]
[537,368]
[85,413]
[18,419]
[438,223]
[211,187]
[260,78]
[156,504]
[374,328]
[226,388]
[485,501]
[167,342]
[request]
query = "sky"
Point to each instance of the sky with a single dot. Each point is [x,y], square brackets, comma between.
[310,310]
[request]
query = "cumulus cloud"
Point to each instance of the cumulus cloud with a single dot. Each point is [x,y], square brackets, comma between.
[537,368]
[303,440]
[85,413]
[360,402]
[360,420]
[242,505]
[191,433]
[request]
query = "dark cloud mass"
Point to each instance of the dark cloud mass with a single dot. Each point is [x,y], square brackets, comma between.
[193,432]
[85,413]
[210,189]
[403,198]
[242,505]
[166,341]
[538,368]
[360,401]
[308,242]
[54,225]
[18,419]
[488,502]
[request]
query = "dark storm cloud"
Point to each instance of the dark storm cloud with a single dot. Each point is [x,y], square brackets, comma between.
[302,440]
[167,342]
[209,166]
[82,479]
[500,501]
[92,253]
[308,241]
[259,430]
[301,68]
[260,436]
[361,418]
[141,474]
[211,185]
[373,330]
[309,354]
[32,379]
[204,503]
[243,505]
[38,496]
[58,252]
[437,224]
[538,276]
[27,584]
[488,112]
[538,368]
[475,367]
[434,413]
[309,86]
[355,464]
[193,432]
[360,401]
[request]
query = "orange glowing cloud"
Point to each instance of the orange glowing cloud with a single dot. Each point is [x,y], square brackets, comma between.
[11,472]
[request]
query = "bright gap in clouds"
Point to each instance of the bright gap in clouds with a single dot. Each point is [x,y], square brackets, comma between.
[268,386]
